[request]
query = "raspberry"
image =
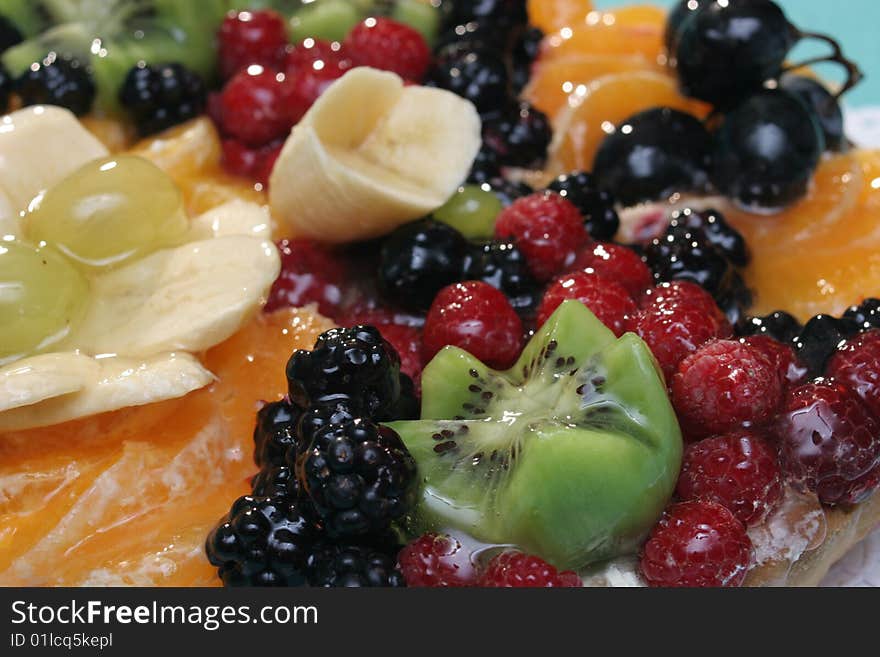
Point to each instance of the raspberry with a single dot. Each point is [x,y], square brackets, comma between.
[676,320]
[479,319]
[518,570]
[548,230]
[697,543]
[310,68]
[391,46]
[309,274]
[607,300]
[252,107]
[738,470]
[251,37]
[784,358]
[829,442]
[266,159]
[254,163]
[857,365]
[723,386]
[436,561]
[616,263]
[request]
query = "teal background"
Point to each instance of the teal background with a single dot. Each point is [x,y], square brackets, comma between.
[854,23]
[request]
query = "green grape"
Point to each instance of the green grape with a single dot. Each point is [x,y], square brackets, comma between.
[471,211]
[42,296]
[110,211]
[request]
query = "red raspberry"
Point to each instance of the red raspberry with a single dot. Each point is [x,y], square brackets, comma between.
[738,470]
[723,386]
[309,274]
[251,37]
[407,340]
[268,155]
[616,263]
[518,570]
[697,543]
[253,108]
[857,365]
[255,163]
[829,442]
[479,319]
[548,229]
[784,358]
[676,320]
[310,68]
[391,46]
[433,560]
[609,301]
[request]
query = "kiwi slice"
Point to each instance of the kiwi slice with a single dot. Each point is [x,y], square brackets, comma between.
[572,454]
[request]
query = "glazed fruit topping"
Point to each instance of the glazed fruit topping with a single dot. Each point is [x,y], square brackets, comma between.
[252,107]
[434,560]
[389,45]
[723,386]
[246,38]
[697,543]
[617,263]
[829,442]
[518,570]
[857,364]
[610,302]
[738,470]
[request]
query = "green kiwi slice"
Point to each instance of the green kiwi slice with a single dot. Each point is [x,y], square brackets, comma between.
[572,454]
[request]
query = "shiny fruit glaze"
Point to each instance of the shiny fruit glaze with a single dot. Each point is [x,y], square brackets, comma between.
[128,497]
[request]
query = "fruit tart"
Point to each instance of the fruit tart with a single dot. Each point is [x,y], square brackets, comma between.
[411,293]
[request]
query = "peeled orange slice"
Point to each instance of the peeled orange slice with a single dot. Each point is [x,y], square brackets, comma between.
[593,112]
[552,15]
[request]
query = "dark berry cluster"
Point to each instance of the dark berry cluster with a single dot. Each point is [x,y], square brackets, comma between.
[702,247]
[57,80]
[158,97]
[332,482]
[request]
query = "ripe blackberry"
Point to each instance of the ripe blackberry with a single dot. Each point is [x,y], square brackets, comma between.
[57,81]
[275,481]
[821,336]
[866,314]
[408,406]
[520,134]
[359,476]
[503,266]
[275,432]
[332,412]
[502,13]
[486,167]
[418,260]
[264,541]
[778,325]
[335,564]
[6,85]
[596,205]
[480,76]
[523,55]
[717,231]
[354,363]
[9,34]
[509,191]
[159,97]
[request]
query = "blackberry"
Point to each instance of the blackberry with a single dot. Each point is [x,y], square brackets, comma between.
[714,226]
[503,266]
[159,97]
[9,34]
[596,205]
[333,564]
[333,412]
[735,297]
[501,13]
[6,85]
[520,135]
[469,36]
[418,260]
[355,365]
[506,190]
[866,315]
[275,432]
[778,325]
[359,476]
[486,166]
[264,541]
[820,338]
[57,81]
[480,76]
[525,52]
[276,481]
[408,406]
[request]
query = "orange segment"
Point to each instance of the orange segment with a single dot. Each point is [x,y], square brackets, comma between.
[552,15]
[128,497]
[604,103]
[822,254]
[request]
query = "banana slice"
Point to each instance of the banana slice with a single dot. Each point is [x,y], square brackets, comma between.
[234,217]
[40,146]
[93,385]
[370,155]
[184,299]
